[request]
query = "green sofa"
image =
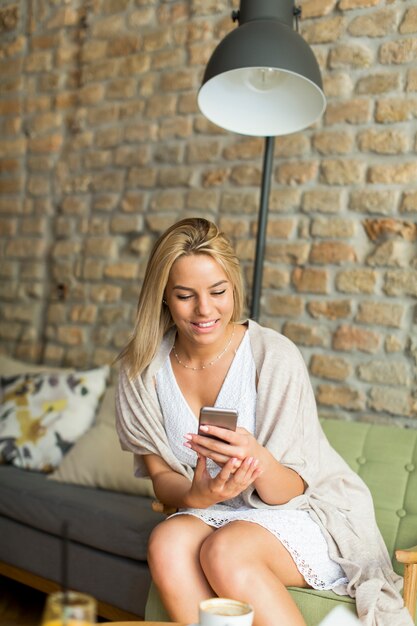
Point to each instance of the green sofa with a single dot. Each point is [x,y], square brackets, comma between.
[386,459]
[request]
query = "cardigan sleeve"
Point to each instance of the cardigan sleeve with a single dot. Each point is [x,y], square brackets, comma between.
[140,424]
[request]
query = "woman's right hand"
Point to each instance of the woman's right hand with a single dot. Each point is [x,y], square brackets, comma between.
[229,482]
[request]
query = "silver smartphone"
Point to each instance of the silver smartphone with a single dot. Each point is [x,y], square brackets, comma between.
[214,416]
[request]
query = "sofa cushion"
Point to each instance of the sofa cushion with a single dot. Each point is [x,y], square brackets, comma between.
[43,414]
[313,604]
[116,523]
[385,458]
[97,459]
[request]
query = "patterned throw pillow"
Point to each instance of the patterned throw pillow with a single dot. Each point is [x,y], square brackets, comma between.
[43,414]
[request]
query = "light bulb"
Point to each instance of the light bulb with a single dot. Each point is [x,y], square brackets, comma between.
[265,78]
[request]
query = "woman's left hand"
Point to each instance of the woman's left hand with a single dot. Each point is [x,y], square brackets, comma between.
[239,444]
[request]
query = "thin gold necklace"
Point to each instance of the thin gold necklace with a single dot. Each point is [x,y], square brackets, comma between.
[203,367]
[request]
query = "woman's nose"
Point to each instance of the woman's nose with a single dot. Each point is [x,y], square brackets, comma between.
[202,305]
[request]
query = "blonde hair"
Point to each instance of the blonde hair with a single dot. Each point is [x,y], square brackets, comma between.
[153,319]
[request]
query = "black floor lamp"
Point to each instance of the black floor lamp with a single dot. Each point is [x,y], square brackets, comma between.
[263,80]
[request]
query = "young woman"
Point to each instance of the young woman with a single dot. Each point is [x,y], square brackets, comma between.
[268,506]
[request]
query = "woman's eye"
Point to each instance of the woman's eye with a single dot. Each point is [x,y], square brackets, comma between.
[218,293]
[183,297]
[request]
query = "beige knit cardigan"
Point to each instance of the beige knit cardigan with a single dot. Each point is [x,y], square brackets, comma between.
[288,426]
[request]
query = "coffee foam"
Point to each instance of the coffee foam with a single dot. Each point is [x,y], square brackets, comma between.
[226,608]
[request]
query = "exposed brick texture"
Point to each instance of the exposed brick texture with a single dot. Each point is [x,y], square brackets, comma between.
[102,147]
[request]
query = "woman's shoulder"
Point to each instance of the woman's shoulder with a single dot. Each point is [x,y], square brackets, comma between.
[270,339]
[274,352]
[148,374]
[161,355]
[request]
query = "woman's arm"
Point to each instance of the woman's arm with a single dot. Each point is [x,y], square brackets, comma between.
[177,491]
[170,487]
[276,485]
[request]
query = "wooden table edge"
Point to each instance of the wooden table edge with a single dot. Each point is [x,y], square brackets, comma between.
[137,623]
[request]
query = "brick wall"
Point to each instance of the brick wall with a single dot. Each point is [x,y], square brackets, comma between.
[102,146]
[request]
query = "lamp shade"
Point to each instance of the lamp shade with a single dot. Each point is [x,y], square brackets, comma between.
[262,79]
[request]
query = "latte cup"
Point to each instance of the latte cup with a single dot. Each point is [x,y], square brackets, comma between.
[225,612]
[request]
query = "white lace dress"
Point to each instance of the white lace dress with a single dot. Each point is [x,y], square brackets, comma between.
[295,529]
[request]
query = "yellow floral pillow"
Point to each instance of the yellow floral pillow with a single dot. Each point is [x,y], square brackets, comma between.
[42,415]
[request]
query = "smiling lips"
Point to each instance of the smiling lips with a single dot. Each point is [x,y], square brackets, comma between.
[209,324]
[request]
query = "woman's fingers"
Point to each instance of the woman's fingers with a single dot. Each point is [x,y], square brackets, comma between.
[220,459]
[209,446]
[200,468]
[247,470]
[239,444]
[228,469]
[234,479]
[201,461]
[221,435]
[224,434]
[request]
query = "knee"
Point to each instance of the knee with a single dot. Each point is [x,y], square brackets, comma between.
[213,551]
[223,562]
[160,547]
[169,545]
[223,546]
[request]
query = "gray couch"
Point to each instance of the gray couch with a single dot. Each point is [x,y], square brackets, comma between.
[108,511]
[108,535]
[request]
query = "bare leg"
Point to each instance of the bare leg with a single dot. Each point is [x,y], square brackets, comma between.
[173,557]
[246,562]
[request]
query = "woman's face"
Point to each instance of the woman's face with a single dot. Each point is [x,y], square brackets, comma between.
[200,298]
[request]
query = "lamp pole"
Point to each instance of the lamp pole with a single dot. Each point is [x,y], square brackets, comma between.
[262,80]
[262,224]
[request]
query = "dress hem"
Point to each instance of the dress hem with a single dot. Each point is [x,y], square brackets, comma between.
[303,567]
